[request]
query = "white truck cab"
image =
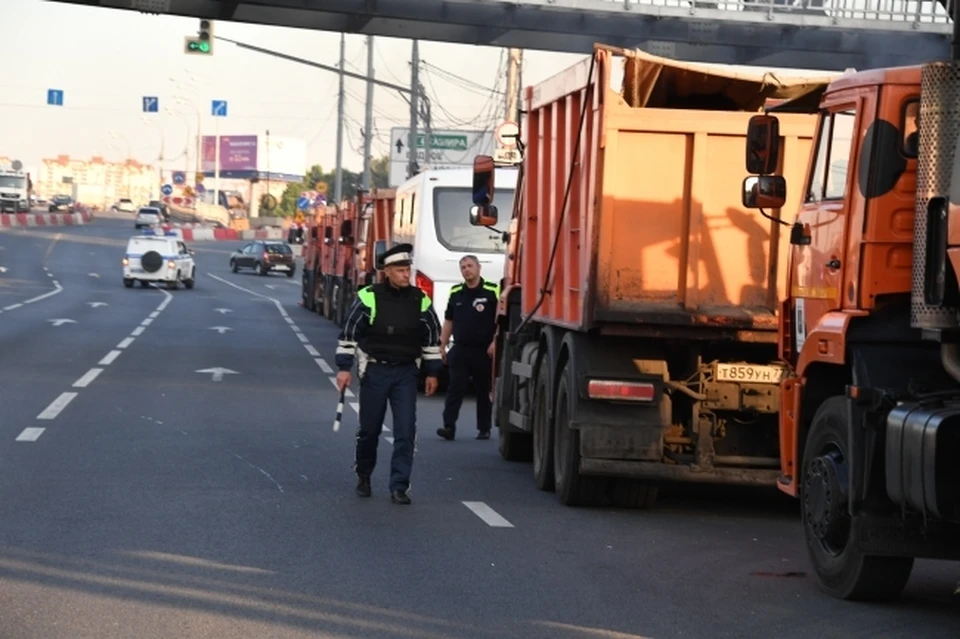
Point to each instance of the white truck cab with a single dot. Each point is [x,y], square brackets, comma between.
[152,258]
[14,186]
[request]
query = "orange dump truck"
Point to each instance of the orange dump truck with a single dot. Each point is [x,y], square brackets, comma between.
[637,333]
[374,228]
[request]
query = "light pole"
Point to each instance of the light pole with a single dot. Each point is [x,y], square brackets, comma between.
[186,143]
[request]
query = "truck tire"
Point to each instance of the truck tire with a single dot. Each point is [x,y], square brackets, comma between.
[573,489]
[514,445]
[543,431]
[841,569]
[151,261]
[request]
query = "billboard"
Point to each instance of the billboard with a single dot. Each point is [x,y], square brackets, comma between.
[237,153]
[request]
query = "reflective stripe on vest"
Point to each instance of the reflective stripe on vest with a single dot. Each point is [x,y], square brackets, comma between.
[369,299]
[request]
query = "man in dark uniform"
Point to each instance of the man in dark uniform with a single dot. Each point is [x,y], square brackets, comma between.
[471,319]
[395,326]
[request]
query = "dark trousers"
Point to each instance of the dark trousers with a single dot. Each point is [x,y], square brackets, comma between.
[464,363]
[398,385]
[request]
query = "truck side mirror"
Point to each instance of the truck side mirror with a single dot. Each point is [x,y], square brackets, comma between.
[346,232]
[484,215]
[764,192]
[763,144]
[483,180]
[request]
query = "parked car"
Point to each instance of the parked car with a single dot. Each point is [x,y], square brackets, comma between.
[265,256]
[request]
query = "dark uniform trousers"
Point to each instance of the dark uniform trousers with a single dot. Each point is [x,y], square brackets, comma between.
[467,362]
[397,384]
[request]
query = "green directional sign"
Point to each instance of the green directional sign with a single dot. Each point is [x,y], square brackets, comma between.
[446,142]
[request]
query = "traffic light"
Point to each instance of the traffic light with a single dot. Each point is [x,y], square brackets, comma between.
[202,43]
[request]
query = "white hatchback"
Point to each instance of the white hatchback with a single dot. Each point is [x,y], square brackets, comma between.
[152,258]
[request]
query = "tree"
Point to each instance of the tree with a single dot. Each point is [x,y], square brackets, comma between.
[380,172]
[314,175]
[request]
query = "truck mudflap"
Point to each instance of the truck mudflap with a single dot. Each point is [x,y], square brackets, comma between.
[922,441]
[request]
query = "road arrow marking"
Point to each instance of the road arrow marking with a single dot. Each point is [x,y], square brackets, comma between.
[96,304]
[221,329]
[222,311]
[61,322]
[3,269]
[96,275]
[218,372]
[271,286]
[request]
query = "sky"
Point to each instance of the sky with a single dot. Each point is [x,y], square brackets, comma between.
[106,60]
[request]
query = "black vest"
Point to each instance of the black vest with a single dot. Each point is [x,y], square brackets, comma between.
[394,335]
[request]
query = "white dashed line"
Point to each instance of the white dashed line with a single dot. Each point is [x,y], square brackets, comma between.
[487,514]
[12,306]
[302,338]
[88,377]
[322,363]
[109,357]
[57,405]
[155,314]
[314,353]
[137,331]
[57,289]
[31,434]
[126,341]
[348,393]
[146,322]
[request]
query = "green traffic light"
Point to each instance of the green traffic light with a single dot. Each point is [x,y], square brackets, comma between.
[199,45]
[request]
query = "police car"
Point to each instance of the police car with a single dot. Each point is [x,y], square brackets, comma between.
[153,258]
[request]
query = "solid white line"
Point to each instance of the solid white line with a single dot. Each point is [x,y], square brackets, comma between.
[322,363]
[126,341]
[31,434]
[315,353]
[137,331]
[88,377]
[58,289]
[57,405]
[348,393]
[12,306]
[146,322]
[487,514]
[109,357]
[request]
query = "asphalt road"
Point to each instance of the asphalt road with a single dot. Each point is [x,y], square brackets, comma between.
[162,501]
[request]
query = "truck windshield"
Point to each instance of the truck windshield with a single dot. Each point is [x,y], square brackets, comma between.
[451,210]
[13,181]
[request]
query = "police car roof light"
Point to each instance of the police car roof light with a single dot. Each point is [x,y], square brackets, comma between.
[171,233]
[149,232]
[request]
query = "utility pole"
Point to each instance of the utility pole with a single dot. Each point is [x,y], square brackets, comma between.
[427,129]
[338,182]
[512,112]
[414,103]
[368,117]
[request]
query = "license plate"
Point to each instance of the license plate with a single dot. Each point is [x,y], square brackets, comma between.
[752,373]
[136,270]
[281,267]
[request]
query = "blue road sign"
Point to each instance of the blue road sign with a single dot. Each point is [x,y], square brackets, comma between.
[201,189]
[151,104]
[166,189]
[303,203]
[320,200]
[179,177]
[55,97]
[219,108]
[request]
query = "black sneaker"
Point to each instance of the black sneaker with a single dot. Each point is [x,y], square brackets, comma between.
[363,487]
[483,434]
[446,433]
[399,497]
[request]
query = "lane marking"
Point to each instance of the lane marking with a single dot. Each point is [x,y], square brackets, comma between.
[126,341]
[109,357]
[12,306]
[155,314]
[30,434]
[322,363]
[302,338]
[88,377]
[487,514]
[137,331]
[289,320]
[314,353]
[57,405]
[146,322]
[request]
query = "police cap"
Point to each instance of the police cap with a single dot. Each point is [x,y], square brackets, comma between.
[399,255]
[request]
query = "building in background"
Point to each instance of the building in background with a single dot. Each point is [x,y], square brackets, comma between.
[96,182]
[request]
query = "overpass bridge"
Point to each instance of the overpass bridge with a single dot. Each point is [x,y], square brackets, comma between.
[821,34]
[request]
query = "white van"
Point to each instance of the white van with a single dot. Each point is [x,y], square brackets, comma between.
[433,214]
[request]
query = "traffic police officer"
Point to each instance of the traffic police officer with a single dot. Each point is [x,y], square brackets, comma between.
[471,319]
[394,325]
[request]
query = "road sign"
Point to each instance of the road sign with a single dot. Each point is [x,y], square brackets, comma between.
[507,134]
[218,108]
[321,186]
[448,148]
[508,157]
[179,177]
[166,189]
[55,97]
[201,189]
[151,104]
[303,202]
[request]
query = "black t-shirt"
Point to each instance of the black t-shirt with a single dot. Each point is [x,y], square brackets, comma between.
[473,312]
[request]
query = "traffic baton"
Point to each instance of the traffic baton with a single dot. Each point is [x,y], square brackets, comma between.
[336,422]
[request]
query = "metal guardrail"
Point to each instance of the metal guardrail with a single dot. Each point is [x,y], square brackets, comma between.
[924,15]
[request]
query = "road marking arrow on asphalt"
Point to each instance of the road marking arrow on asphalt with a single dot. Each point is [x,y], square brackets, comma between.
[3,269]
[221,329]
[96,304]
[61,322]
[218,372]
[271,286]
[222,311]
[96,275]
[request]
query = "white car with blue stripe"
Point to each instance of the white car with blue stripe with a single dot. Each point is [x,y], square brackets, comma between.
[155,259]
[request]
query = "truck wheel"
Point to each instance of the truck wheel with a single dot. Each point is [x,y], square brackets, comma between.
[542,431]
[841,569]
[573,489]
[515,446]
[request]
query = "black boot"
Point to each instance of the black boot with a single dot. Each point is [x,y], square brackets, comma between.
[446,433]
[483,434]
[363,487]
[399,497]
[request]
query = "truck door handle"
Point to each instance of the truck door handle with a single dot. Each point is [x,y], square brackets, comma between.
[833,264]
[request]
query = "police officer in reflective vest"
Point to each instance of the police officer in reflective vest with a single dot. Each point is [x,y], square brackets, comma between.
[395,326]
[471,319]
